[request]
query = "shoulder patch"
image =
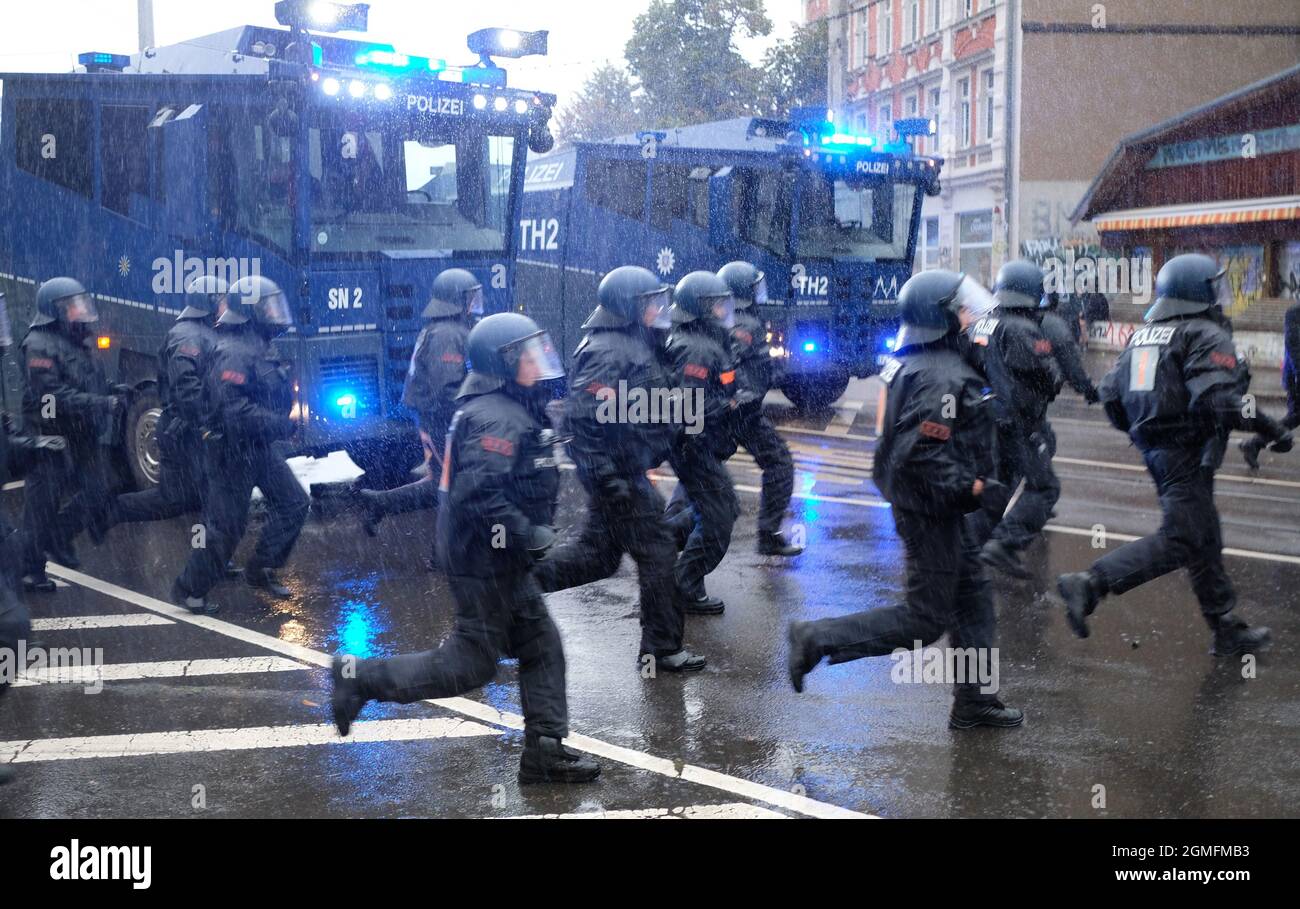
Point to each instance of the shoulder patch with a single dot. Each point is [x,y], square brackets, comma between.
[40,363]
[696,372]
[727,377]
[233,376]
[189,350]
[932,430]
[1226,361]
[1043,347]
[498,446]
[453,357]
[743,336]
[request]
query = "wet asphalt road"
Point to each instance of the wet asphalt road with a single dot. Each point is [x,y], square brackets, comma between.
[225,716]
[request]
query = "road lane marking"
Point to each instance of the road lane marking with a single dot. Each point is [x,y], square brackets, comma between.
[196,741]
[163,669]
[78,622]
[1129,538]
[1139,468]
[730,811]
[800,804]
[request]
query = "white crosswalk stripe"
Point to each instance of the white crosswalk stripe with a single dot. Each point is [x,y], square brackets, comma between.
[79,622]
[729,811]
[193,741]
[164,669]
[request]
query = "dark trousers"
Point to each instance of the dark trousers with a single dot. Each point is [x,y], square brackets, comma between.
[417,496]
[498,617]
[946,591]
[15,621]
[753,430]
[232,474]
[1024,453]
[182,483]
[712,510]
[1189,535]
[636,527]
[82,480]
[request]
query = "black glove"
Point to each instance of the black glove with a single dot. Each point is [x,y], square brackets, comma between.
[1283,443]
[616,493]
[540,539]
[995,498]
[1091,395]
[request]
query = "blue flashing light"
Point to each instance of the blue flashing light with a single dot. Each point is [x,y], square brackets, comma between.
[385,58]
[848,139]
[345,401]
[100,62]
[809,346]
[891,343]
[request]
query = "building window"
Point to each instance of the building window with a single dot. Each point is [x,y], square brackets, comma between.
[932,17]
[971,7]
[963,112]
[862,124]
[929,257]
[863,47]
[975,245]
[885,122]
[913,20]
[988,105]
[932,111]
[53,140]
[910,105]
[885,29]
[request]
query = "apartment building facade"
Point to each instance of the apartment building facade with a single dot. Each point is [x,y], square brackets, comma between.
[1030,97]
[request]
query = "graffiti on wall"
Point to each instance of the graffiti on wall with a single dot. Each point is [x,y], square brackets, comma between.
[1289,271]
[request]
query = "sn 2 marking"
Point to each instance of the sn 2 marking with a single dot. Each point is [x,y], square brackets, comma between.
[345,298]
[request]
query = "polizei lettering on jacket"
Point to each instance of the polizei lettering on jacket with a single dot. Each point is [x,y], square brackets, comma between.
[1152,335]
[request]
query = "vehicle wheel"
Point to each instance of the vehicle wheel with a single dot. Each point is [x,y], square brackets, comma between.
[142,438]
[810,394]
[388,461]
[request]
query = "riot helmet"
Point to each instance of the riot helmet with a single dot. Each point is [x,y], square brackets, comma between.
[455,292]
[258,300]
[703,295]
[1187,285]
[748,284]
[1019,285]
[631,296]
[931,303]
[64,301]
[506,348]
[204,296]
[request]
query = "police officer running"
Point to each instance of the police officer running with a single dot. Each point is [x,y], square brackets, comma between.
[700,352]
[615,368]
[1250,448]
[1177,391]
[1065,347]
[183,365]
[499,485]
[66,394]
[934,464]
[252,395]
[1017,359]
[750,426]
[432,382]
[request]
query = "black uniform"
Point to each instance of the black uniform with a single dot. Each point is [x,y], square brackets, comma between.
[252,394]
[500,484]
[1291,365]
[66,394]
[750,427]
[625,513]
[15,621]
[703,365]
[183,365]
[432,381]
[1014,354]
[937,441]
[1177,391]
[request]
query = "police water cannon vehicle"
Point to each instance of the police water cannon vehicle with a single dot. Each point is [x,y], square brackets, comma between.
[830,217]
[349,172]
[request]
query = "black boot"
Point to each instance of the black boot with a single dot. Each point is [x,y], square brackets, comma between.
[38,583]
[681,661]
[802,656]
[702,604]
[998,555]
[233,570]
[1082,591]
[63,552]
[969,714]
[547,760]
[1250,449]
[346,699]
[196,605]
[1233,636]
[774,544]
[265,579]
[98,525]
[372,512]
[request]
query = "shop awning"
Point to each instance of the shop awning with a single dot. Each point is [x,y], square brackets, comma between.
[1237,211]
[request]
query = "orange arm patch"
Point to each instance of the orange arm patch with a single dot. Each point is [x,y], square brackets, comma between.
[932,430]
[499,446]
[728,377]
[695,372]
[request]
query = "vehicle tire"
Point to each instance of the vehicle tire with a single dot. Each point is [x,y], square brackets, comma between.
[810,394]
[387,461]
[142,455]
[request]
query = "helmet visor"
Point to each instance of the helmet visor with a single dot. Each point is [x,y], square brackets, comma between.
[79,309]
[655,307]
[973,300]
[6,330]
[274,310]
[474,301]
[724,310]
[1223,296]
[760,289]
[539,358]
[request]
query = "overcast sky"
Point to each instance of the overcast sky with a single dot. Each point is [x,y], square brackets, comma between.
[47,35]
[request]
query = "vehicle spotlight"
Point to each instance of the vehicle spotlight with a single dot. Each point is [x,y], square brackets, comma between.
[521,106]
[507,42]
[383,91]
[480,102]
[356,88]
[500,104]
[330,86]
[323,16]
